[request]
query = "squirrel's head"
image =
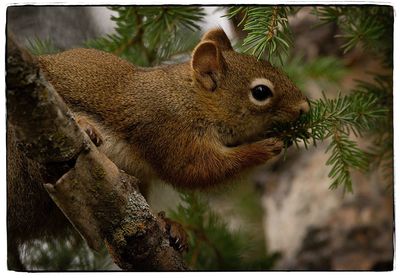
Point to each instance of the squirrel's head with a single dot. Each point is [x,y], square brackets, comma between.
[247,95]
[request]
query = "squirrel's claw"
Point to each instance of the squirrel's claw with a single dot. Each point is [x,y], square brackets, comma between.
[176,234]
[91,131]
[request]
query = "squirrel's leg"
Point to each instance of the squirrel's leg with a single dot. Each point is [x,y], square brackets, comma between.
[231,161]
[209,163]
[255,153]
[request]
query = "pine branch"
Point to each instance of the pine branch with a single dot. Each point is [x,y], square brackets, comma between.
[42,47]
[268,30]
[149,35]
[212,245]
[345,155]
[336,119]
[370,26]
[381,150]
[137,38]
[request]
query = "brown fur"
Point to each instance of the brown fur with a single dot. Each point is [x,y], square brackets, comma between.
[178,120]
[190,124]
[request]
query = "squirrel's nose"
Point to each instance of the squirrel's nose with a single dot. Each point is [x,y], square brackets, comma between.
[304,107]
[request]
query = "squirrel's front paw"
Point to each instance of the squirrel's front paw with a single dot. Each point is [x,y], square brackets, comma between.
[91,131]
[178,238]
[272,145]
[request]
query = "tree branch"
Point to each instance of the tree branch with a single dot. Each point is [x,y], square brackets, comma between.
[101,201]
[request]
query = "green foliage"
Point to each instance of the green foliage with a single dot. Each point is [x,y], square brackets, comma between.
[381,150]
[371,26]
[267,27]
[325,69]
[67,254]
[149,35]
[336,119]
[212,246]
[42,47]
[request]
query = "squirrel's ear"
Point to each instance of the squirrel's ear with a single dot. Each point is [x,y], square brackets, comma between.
[208,65]
[219,37]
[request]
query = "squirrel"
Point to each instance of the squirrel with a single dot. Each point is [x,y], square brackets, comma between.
[194,125]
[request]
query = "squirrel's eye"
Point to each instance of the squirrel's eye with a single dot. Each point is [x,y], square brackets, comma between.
[261,90]
[260,94]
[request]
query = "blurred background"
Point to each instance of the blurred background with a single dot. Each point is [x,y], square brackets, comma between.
[285,215]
